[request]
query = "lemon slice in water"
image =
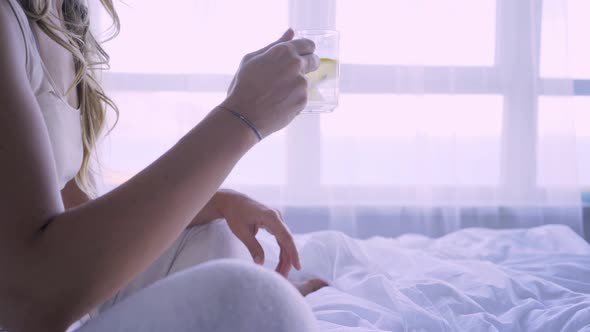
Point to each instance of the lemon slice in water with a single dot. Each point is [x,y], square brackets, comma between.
[328,69]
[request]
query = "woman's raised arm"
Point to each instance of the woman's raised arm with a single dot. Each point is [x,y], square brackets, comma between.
[58,264]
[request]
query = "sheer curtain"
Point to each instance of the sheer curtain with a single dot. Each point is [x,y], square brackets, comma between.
[453,113]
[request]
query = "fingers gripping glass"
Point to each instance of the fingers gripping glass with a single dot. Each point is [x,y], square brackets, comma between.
[324,83]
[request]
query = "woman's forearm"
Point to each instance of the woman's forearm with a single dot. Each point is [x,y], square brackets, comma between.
[105,242]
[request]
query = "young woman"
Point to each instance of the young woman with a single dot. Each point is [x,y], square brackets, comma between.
[63,255]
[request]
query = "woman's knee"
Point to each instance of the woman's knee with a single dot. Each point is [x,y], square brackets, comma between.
[225,295]
[238,296]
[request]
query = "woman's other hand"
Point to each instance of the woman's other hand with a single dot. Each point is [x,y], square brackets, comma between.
[246,216]
[270,88]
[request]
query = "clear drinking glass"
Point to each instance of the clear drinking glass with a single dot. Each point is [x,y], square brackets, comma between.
[324,83]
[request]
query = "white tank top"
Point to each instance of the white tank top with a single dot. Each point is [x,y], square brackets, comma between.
[62,120]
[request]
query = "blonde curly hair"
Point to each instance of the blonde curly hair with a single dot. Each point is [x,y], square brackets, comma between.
[89,58]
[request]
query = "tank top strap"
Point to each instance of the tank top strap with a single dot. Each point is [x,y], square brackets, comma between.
[23,22]
[28,37]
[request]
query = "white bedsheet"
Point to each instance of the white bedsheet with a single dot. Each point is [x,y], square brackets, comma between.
[472,280]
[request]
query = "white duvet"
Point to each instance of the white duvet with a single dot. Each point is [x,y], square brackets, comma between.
[471,280]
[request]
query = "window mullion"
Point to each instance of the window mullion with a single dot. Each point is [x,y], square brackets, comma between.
[304,135]
[517,59]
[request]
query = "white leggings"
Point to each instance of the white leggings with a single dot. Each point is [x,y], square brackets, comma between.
[205,293]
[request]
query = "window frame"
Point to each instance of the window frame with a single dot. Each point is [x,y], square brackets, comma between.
[520,92]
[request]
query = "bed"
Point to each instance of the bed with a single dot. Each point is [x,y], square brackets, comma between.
[475,279]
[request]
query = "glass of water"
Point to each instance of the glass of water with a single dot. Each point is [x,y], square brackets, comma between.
[324,83]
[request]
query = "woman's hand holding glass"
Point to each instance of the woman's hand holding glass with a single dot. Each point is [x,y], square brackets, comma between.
[270,88]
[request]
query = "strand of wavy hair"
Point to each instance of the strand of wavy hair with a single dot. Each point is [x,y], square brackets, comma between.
[89,58]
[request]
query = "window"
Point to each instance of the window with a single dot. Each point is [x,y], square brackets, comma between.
[385,143]
[564,42]
[564,122]
[192,36]
[418,32]
[166,74]
[431,92]
[151,122]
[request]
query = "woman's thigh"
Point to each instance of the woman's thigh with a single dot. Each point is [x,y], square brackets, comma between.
[223,295]
[196,245]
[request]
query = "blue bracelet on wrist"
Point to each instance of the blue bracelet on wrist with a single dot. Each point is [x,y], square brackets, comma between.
[246,121]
